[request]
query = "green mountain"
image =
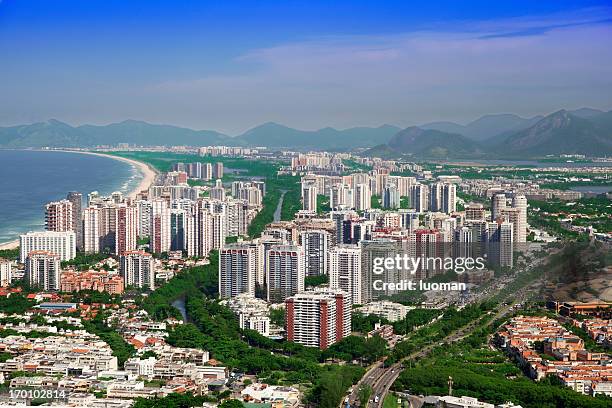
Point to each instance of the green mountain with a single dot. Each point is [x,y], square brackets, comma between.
[561,132]
[54,133]
[432,143]
[274,135]
[485,127]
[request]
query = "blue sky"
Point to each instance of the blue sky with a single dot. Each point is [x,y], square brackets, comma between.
[229,65]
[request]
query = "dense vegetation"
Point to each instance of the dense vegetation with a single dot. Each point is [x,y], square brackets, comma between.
[15,303]
[486,374]
[12,254]
[214,327]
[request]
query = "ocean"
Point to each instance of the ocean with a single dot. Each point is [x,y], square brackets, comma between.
[29,179]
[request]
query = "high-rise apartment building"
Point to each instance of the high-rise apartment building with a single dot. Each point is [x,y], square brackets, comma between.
[316,244]
[137,269]
[5,272]
[42,270]
[362,197]
[309,197]
[218,170]
[218,191]
[62,244]
[419,197]
[391,197]
[318,318]
[449,198]
[207,172]
[498,203]
[59,216]
[345,270]
[76,199]
[125,228]
[500,248]
[520,202]
[284,271]
[237,270]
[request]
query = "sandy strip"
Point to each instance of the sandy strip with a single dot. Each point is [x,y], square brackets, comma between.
[148,172]
[9,245]
[148,178]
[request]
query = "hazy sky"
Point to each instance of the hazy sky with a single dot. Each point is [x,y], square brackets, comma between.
[230,65]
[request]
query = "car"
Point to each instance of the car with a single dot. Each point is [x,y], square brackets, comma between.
[376,398]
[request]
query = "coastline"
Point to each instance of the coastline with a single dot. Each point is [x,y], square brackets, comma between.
[148,173]
[148,178]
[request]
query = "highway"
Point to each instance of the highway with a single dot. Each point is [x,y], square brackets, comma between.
[381,378]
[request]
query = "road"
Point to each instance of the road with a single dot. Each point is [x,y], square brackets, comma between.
[382,378]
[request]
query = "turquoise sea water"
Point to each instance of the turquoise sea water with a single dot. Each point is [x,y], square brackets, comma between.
[29,179]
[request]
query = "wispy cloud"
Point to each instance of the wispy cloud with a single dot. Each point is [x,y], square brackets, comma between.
[524,65]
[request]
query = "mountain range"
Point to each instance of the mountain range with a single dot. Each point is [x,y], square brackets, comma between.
[586,131]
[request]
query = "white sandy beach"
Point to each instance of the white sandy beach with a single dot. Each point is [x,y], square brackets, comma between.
[148,177]
[147,171]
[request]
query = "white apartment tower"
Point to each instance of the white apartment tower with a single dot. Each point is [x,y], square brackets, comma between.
[345,270]
[309,197]
[62,244]
[418,197]
[284,271]
[237,270]
[137,269]
[520,202]
[362,197]
[316,244]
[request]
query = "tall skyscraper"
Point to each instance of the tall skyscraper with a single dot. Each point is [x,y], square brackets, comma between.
[42,270]
[160,226]
[284,271]
[435,197]
[498,202]
[59,216]
[362,197]
[194,170]
[338,196]
[218,170]
[316,244]
[62,244]
[76,199]
[237,270]
[145,214]
[449,198]
[126,228]
[5,272]
[203,231]
[345,270]
[137,269]
[309,197]
[418,197]
[391,197]
[520,202]
[500,243]
[207,172]
[318,318]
